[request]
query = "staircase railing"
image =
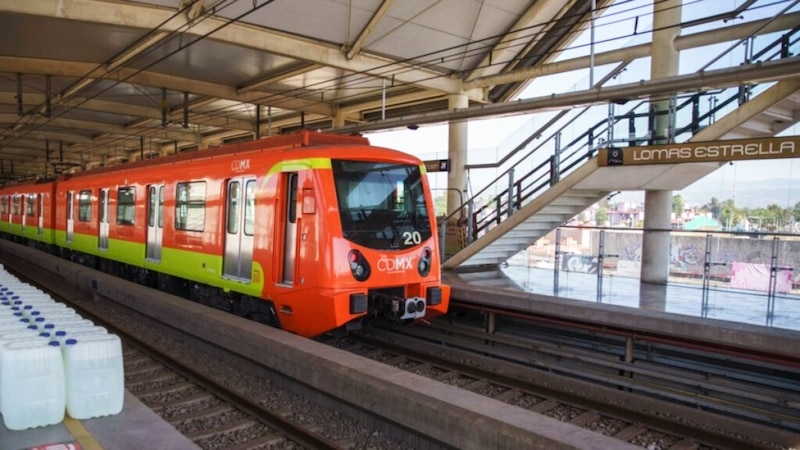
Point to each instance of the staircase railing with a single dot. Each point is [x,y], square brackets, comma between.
[509,192]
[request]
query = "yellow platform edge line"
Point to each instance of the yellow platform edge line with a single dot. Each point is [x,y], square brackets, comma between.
[81,434]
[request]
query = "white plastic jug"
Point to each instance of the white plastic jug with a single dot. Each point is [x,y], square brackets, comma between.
[33,384]
[95,380]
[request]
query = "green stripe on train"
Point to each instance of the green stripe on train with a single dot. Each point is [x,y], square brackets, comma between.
[192,265]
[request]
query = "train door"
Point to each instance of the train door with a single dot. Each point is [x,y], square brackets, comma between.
[40,214]
[70,215]
[102,229]
[155,221]
[23,219]
[290,229]
[239,228]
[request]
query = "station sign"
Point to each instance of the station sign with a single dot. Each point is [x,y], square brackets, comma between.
[437,165]
[719,151]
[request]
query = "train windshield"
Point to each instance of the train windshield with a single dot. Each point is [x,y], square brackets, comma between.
[382,205]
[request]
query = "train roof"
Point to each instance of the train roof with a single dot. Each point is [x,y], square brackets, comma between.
[303,138]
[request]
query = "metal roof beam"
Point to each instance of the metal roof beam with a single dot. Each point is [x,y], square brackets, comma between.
[733,76]
[355,48]
[710,37]
[36,66]
[150,17]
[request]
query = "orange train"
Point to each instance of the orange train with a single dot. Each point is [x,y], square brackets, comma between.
[309,232]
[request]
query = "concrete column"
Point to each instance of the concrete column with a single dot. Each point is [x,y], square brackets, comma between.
[457,153]
[658,204]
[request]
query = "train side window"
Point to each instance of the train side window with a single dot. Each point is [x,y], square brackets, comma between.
[16,205]
[31,205]
[190,206]
[126,205]
[4,205]
[85,206]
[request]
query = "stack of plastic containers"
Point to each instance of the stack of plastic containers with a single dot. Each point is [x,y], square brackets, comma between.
[53,361]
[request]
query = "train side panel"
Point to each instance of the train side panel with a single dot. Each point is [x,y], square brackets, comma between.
[27,211]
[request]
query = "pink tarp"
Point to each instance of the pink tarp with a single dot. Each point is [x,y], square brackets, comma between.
[755,277]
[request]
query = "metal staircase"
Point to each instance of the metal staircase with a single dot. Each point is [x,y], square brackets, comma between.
[570,180]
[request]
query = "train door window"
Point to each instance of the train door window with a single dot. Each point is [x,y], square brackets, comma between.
[233,207]
[250,207]
[155,222]
[85,206]
[4,205]
[126,205]
[290,230]
[70,215]
[16,205]
[40,215]
[190,206]
[102,219]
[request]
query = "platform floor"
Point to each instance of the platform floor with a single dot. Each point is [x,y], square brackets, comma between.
[135,428]
[750,307]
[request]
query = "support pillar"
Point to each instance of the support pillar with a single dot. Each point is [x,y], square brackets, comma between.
[658,204]
[457,153]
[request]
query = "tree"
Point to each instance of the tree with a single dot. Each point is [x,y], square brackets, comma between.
[677,205]
[713,207]
[729,216]
[601,215]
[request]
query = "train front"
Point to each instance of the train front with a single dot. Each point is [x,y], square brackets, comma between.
[389,235]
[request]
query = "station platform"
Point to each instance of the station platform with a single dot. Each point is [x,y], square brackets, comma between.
[749,322]
[135,428]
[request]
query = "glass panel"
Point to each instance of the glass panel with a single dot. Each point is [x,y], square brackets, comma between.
[250,207]
[233,207]
[382,205]
[85,206]
[190,206]
[126,205]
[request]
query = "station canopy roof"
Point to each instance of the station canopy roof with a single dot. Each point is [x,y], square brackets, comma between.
[88,83]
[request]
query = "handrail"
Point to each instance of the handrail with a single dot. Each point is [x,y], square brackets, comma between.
[512,194]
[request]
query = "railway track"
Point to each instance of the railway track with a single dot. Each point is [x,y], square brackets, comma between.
[202,396]
[614,412]
[207,412]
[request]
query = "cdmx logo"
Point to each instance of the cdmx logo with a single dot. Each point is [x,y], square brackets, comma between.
[398,264]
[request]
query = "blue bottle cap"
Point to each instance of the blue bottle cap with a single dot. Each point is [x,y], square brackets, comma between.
[54,344]
[33,327]
[39,319]
[70,342]
[61,333]
[49,326]
[35,313]
[44,334]
[27,307]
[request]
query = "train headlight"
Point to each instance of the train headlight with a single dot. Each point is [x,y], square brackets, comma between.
[424,263]
[359,266]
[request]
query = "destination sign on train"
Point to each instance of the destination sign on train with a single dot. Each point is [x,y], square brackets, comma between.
[721,151]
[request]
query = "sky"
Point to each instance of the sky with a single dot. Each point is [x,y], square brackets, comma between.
[490,139]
